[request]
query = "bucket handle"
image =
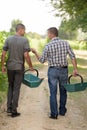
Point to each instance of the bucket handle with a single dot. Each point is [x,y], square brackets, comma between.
[34,70]
[77,75]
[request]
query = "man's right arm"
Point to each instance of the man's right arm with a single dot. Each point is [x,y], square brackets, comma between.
[28,60]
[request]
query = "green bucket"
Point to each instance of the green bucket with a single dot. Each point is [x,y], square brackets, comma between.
[77,86]
[31,80]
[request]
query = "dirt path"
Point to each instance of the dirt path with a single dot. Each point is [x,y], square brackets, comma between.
[34,109]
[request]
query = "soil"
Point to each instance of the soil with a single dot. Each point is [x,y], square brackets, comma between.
[34,109]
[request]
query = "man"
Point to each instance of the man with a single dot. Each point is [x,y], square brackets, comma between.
[55,52]
[18,48]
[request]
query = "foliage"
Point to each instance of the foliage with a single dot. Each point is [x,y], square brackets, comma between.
[3,77]
[42,44]
[76,45]
[73,10]
[34,35]
[66,32]
[3,82]
[3,36]
[36,41]
[13,25]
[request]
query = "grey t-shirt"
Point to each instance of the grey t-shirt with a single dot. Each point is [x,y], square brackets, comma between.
[16,46]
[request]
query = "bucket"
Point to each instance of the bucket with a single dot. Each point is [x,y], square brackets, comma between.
[31,80]
[76,86]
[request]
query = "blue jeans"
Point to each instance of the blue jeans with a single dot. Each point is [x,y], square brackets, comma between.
[57,76]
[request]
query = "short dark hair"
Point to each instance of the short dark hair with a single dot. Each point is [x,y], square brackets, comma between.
[54,31]
[18,26]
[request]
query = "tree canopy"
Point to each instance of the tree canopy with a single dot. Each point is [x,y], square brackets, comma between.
[65,32]
[75,11]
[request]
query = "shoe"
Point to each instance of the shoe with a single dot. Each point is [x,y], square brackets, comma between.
[53,117]
[15,114]
[63,113]
[9,110]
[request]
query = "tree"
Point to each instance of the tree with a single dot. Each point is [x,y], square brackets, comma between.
[13,25]
[66,32]
[73,10]
[34,35]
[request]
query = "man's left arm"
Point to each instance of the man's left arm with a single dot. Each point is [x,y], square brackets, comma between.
[74,62]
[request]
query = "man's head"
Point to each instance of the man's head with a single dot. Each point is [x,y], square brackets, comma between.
[20,29]
[52,32]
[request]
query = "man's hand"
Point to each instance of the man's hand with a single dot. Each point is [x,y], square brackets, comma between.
[33,50]
[31,69]
[75,72]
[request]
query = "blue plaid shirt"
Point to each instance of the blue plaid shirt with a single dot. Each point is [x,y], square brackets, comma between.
[55,52]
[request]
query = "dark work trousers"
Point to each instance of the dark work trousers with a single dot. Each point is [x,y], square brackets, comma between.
[14,78]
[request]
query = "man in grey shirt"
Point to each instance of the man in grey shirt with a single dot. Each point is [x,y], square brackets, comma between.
[18,48]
